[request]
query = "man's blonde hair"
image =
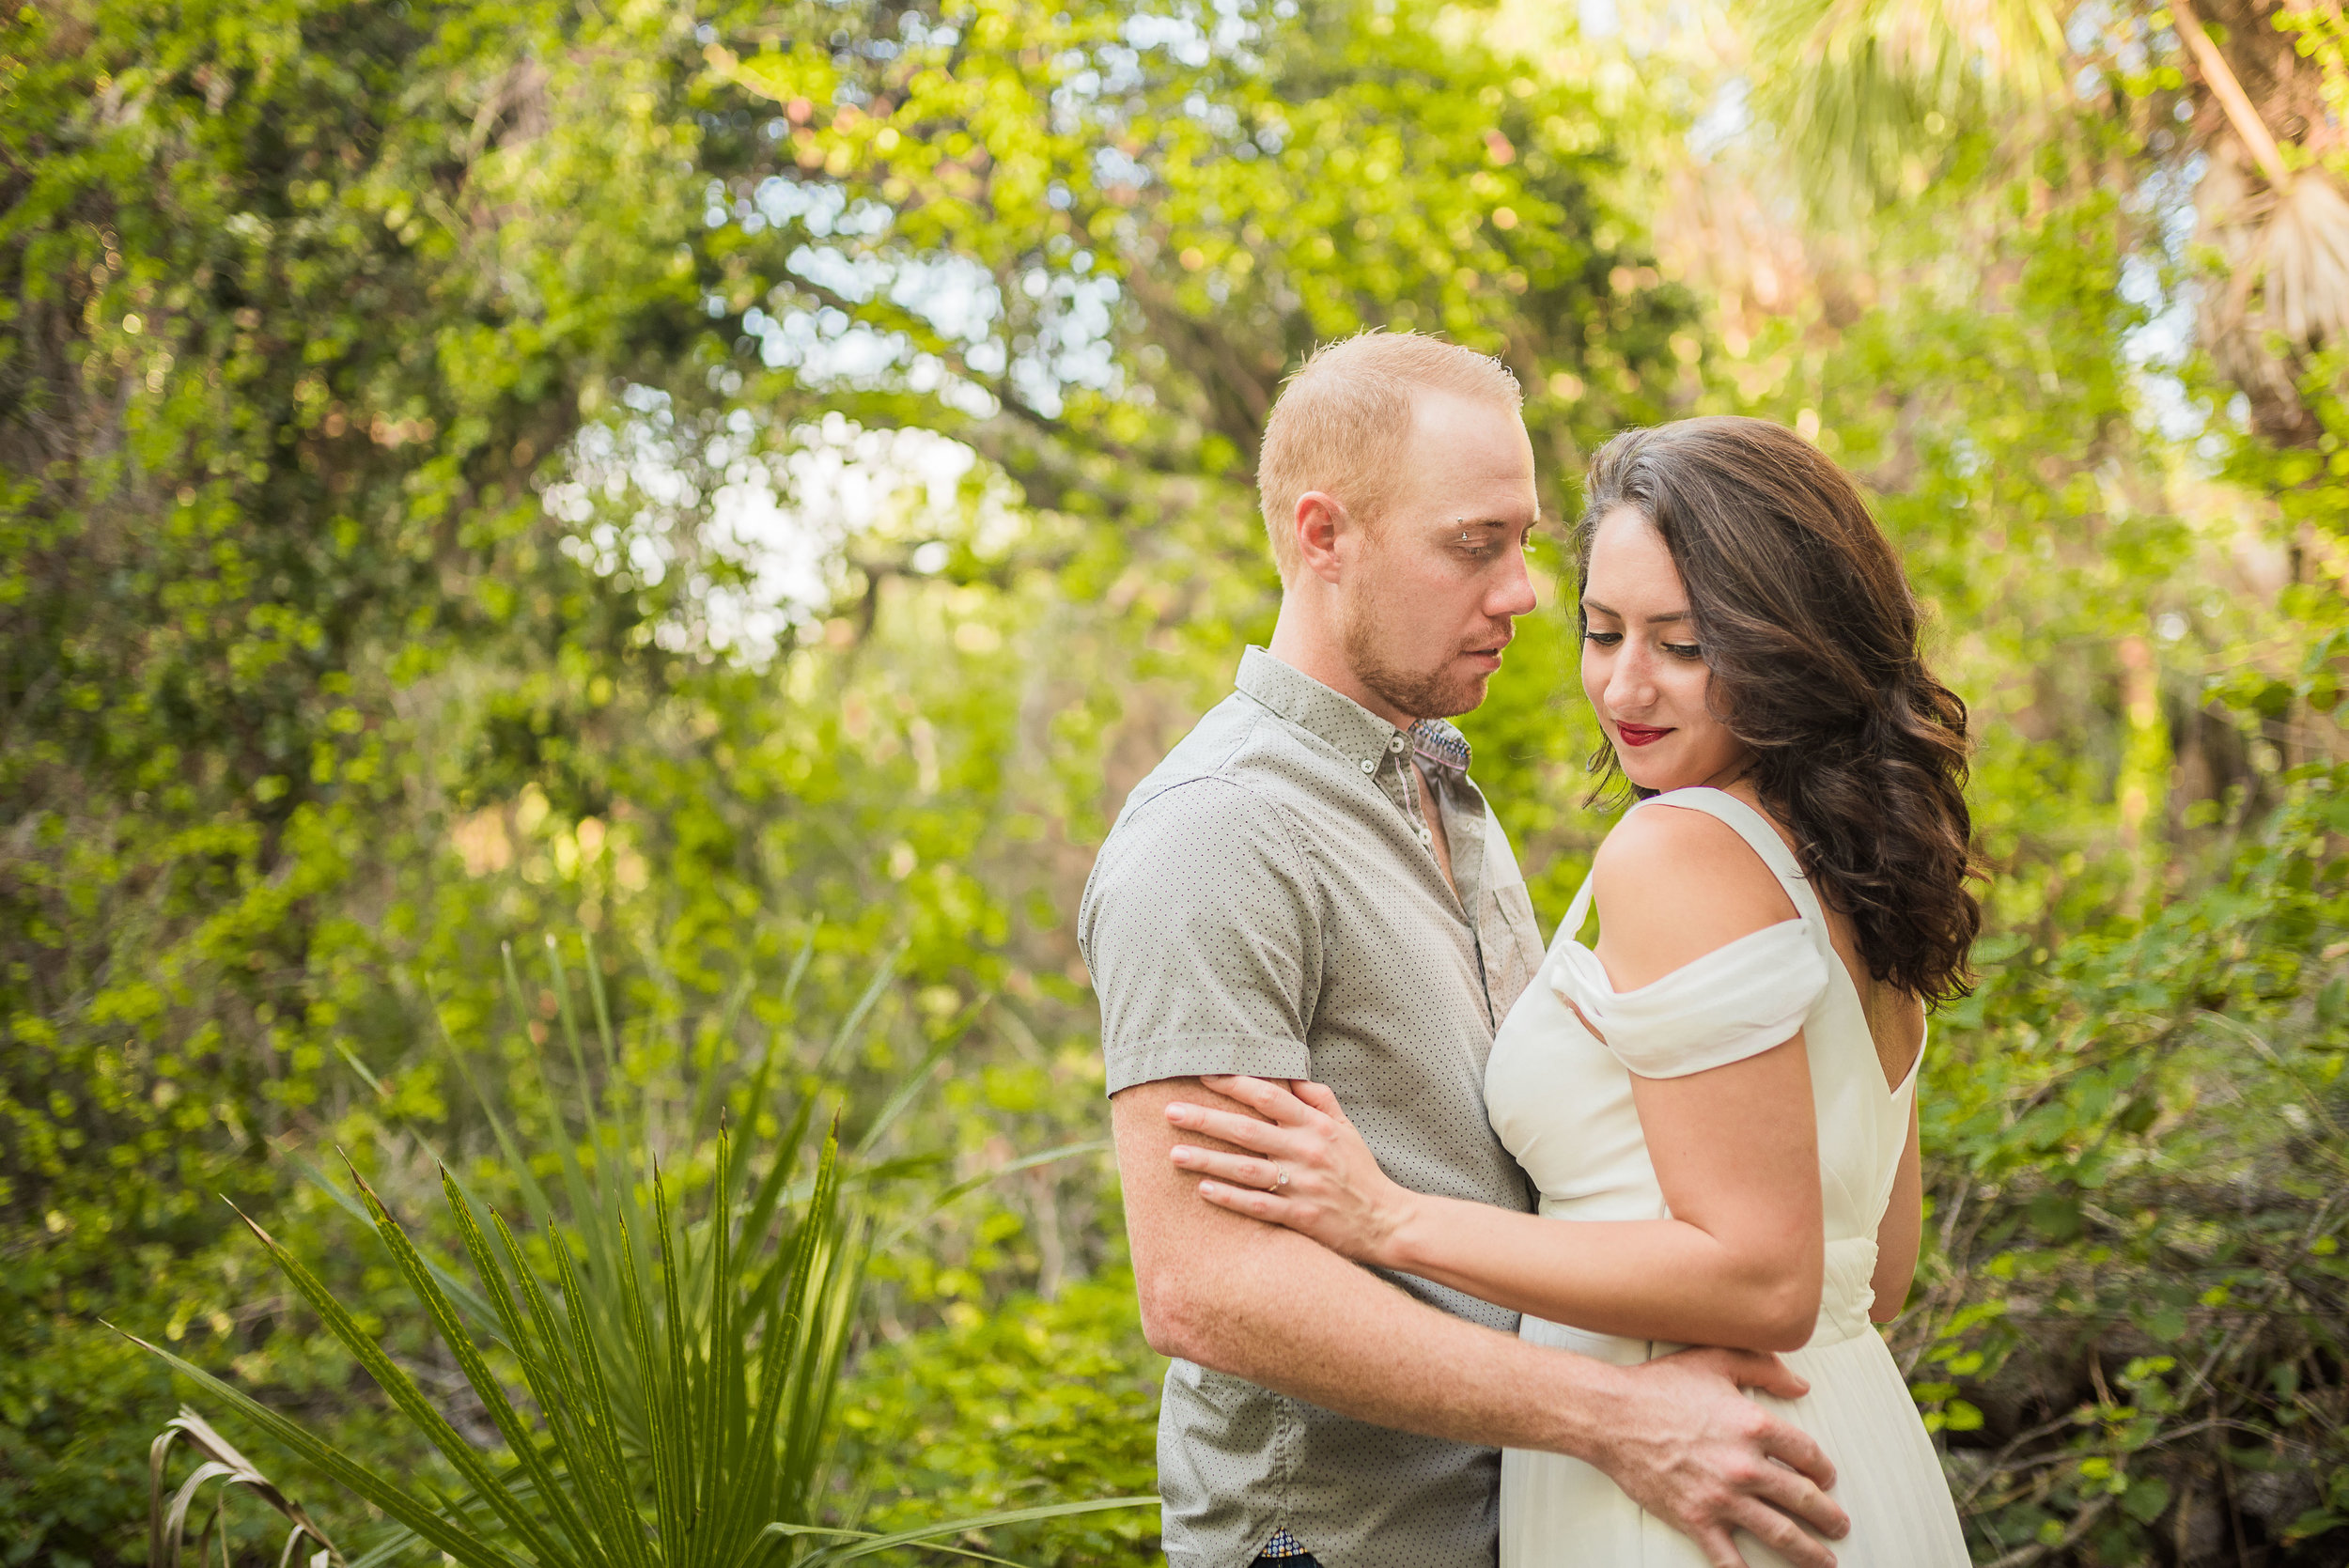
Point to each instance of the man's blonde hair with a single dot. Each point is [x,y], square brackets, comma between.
[1343,420]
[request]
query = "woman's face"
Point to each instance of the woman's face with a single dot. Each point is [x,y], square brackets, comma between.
[1642,667]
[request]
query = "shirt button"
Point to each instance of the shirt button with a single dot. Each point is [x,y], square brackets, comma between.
[1370,764]
[1427,838]
[1394,743]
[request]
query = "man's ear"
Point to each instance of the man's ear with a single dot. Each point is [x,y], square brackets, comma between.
[1320,522]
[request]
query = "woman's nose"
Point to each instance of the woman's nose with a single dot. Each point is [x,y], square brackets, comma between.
[1630,685]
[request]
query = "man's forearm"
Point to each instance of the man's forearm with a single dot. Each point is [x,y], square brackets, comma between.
[1268,1305]
[1366,1349]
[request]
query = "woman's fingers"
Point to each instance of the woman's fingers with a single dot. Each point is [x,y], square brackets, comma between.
[1240,1170]
[1319,1097]
[1252,1201]
[1232,1128]
[1264,1095]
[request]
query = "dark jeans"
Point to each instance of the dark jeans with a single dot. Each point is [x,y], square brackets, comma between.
[1308,1560]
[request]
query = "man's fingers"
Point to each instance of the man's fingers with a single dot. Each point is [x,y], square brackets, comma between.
[1780,1534]
[1245,1131]
[1720,1551]
[1753,1369]
[1791,1497]
[1795,1449]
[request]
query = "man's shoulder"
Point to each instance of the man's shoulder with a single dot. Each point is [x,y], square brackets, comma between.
[1209,807]
[1214,771]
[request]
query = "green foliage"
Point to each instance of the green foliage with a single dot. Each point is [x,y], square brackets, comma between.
[2138,1210]
[390,402]
[1031,1399]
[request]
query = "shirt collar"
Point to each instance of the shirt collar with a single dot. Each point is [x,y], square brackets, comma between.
[1339,720]
[1437,744]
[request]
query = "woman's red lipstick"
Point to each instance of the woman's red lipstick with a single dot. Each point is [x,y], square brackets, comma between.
[1639,735]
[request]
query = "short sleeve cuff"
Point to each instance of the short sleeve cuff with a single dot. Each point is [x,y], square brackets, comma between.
[1196,1055]
[1736,1001]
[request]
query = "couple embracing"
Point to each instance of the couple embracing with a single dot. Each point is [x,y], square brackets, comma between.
[1460,1247]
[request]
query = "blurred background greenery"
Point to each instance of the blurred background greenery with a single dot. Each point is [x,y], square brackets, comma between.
[709,485]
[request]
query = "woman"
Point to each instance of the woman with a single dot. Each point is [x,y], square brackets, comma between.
[1718,1100]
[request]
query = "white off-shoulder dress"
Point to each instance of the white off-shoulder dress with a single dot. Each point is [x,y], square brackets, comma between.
[1561,1101]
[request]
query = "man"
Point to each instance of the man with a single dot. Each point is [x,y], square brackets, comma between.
[1309,885]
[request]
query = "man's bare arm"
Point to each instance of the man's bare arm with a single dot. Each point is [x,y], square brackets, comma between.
[1223,1290]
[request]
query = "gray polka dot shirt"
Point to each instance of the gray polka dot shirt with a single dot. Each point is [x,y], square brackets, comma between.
[1268,902]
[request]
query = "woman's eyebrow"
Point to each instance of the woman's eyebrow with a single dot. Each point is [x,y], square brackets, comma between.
[1670,616]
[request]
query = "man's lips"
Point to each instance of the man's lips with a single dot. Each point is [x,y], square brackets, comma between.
[1488,656]
[1639,735]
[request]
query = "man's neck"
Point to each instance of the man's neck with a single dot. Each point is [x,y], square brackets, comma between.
[1316,652]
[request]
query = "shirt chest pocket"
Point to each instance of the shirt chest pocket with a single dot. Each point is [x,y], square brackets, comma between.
[1511,942]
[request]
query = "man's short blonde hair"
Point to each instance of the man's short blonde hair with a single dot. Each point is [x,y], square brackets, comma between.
[1343,420]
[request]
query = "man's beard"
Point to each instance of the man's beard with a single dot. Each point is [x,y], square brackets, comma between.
[1420,694]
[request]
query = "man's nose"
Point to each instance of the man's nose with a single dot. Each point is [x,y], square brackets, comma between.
[1514,595]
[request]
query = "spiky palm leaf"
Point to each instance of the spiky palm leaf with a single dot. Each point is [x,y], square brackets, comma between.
[679,1346]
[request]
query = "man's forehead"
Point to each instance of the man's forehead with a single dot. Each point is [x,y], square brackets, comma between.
[1442,405]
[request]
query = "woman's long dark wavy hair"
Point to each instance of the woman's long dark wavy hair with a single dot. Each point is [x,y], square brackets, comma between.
[1810,631]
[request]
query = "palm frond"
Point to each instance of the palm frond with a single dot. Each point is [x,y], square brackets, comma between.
[1865,93]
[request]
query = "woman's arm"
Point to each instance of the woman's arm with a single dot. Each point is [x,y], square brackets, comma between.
[1902,1228]
[1738,1264]
[1735,1147]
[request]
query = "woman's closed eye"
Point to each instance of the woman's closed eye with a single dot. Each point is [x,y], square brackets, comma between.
[1692,652]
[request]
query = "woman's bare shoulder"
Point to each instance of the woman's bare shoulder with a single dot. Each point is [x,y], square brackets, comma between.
[1672,885]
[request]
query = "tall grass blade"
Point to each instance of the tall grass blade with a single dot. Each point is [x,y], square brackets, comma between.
[1026,1162]
[901,1099]
[594,1383]
[855,1020]
[866,1543]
